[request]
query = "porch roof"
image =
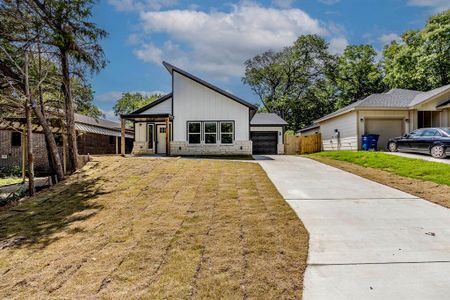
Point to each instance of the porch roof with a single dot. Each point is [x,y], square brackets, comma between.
[146,117]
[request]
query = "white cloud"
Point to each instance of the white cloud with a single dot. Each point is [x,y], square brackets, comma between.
[338,45]
[136,5]
[283,3]
[219,42]
[329,2]
[388,38]
[109,115]
[108,97]
[437,5]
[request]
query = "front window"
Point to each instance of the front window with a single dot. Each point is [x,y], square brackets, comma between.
[426,119]
[226,132]
[210,132]
[194,132]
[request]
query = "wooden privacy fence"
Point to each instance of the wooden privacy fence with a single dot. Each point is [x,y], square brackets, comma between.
[302,144]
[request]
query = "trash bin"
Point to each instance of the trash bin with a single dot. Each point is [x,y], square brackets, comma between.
[370,142]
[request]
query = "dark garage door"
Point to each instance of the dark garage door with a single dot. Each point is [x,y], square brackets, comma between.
[264,142]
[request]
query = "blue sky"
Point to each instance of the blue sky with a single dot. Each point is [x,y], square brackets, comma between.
[212,39]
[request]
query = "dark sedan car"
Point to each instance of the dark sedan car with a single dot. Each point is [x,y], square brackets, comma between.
[434,141]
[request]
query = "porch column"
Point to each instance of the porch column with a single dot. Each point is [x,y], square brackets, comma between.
[167,137]
[122,144]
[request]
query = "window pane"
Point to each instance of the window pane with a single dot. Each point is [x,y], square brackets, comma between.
[226,138]
[210,127]
[435,118]
[194,127]
[16,139]
[194,138]
[210,138]
[429,132]
[226,127]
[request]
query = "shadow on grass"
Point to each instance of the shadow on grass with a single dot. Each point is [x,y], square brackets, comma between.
[34,222]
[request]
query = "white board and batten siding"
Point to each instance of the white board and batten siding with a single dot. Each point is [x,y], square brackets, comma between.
[164,107]
[195,102]
[348,133]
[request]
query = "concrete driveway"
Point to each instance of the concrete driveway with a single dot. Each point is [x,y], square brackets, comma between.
[367,240]
[421,156]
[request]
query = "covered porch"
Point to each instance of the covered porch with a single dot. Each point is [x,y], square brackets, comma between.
[152,133]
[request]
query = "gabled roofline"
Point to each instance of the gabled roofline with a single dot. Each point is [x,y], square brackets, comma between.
[150,105]
[431,98]
[172,68]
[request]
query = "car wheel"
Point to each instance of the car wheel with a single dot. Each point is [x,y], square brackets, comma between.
[392,147]
[438,151]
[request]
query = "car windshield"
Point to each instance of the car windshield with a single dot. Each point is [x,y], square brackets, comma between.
[446,130]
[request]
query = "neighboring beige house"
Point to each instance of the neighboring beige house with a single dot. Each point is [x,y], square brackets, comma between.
[389,114]
[198,118]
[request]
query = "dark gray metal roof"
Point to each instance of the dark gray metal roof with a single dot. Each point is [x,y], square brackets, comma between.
[314,126]
[172,68]
[395,98]
[267,119]
[100,126]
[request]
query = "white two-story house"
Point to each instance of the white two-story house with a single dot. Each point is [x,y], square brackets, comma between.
[198,118]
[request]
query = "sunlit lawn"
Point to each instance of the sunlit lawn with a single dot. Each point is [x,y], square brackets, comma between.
[154,228]
[9,180]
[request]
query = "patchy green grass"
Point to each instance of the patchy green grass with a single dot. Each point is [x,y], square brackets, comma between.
[155,229]
[413,168]
[10,180]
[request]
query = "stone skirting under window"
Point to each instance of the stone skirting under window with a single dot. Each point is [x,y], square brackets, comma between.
[238,148]
[141,148]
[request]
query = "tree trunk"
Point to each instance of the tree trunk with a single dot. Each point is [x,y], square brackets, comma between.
[31,186]
[52,156]
[69,112]
[50,139]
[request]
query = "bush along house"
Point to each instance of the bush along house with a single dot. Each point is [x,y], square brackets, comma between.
[94,136]
[198,118]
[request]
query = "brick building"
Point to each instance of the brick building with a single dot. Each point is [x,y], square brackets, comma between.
[94,136]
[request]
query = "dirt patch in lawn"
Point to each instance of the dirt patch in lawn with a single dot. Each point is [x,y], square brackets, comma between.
[436,193]
[155,229]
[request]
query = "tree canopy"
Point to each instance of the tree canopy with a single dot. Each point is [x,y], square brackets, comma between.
[305,81]
[130,102]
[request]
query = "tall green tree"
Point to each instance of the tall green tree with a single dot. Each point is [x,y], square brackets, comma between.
[285,81]
[130,102]
[357,74]
[421,61]
[76,38]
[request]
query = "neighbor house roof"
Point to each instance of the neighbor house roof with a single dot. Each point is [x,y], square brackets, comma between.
[99,126]
[311,127]
[395,98]
[267,119]
[172,68]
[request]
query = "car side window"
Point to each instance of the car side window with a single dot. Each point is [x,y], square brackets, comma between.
[430,132]
[415,133]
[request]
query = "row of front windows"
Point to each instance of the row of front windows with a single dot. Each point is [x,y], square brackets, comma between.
[210,132]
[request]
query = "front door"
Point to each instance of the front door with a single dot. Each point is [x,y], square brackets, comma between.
[161,139]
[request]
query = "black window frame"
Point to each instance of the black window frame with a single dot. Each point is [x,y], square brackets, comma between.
[227,133]
[205,133]
[194,133]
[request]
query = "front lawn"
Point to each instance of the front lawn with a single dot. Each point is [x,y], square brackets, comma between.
[407,167]
[156,229]
[9,180]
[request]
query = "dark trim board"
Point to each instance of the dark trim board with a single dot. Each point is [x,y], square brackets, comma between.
[172,68]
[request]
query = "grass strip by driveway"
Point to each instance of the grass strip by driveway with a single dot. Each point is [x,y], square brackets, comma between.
[402,166]
[154,228]
[428,190]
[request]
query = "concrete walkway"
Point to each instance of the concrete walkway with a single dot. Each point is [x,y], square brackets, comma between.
[421,156]
[367,240]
